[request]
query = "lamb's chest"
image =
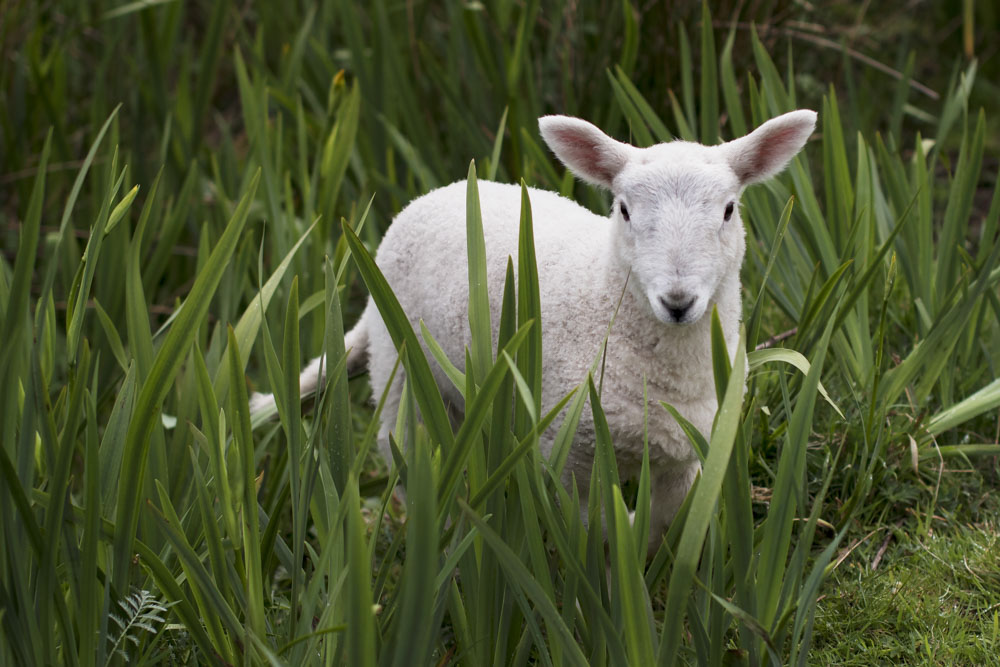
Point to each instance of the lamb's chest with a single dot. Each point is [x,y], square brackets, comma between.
[632,399]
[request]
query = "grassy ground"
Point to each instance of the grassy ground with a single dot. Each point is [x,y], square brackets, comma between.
[917,590]
[189,195]
[929,601]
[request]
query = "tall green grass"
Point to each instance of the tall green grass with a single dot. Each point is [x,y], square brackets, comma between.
[219,230]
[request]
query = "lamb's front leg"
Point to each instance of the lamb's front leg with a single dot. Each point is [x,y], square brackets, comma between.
[667,491]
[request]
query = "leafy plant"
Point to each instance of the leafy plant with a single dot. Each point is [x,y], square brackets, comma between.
[142,612]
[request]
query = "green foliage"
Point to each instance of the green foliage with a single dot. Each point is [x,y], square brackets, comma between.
[140,611]
[169,171]
[927,601]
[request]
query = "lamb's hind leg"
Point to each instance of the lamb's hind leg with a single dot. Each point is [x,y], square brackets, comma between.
[384,377]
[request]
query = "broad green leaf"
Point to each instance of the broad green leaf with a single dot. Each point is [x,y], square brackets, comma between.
[529,309]
[360,612]
[960,451]
[480,324]
[708,98]
[243,441]
[418,371]
[475,415]
[197,576]
[497,145]
[701,510]
[114,340]
[413,629]
[79,292]
[120,209]
[291,422]
[639,103]
[758,358]
[954,226]
[753,330]
[457,377]
[639,134]
[634,596]
[17,325]
[983,400]
[112,447]
[16,308]
[928,357]
[339,436]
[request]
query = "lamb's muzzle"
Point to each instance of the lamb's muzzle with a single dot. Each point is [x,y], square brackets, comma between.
[677,304]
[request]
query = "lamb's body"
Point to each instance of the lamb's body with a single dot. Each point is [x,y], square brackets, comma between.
[674,237]
[423,256]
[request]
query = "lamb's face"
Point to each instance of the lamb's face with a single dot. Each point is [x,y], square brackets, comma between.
[676,212]
[677,204]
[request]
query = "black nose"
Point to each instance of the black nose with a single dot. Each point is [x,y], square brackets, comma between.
[677,305]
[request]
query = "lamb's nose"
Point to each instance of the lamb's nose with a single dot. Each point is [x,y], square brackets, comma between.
[677,304]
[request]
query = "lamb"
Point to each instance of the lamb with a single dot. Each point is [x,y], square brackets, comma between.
[671,248]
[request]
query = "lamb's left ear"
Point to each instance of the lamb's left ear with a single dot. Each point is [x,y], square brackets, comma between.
[589,153]
[768,149]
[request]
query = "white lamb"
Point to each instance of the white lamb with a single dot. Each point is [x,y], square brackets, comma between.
[674,236]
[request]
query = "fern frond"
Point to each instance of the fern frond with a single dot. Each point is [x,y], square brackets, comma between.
[142,612]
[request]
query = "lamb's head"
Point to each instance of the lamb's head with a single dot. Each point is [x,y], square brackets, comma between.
[676,204]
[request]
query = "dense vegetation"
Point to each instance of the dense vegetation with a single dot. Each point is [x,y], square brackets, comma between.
[189,196]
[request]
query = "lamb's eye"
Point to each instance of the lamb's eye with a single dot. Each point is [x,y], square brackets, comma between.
[621,207]
[729,211]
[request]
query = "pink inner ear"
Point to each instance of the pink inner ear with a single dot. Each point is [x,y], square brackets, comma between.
[582,154]
[772,152]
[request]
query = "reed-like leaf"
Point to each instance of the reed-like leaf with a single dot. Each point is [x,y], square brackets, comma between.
[705,495]
[157,384]
[783,507]
[480,326]
[417,369]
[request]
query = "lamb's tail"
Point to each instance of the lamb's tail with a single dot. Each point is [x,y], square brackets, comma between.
[314,374]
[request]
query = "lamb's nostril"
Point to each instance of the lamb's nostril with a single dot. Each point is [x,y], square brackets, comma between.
[679,312]
[677,304]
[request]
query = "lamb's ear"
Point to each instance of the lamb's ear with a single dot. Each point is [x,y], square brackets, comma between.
[589,153]
[768,149]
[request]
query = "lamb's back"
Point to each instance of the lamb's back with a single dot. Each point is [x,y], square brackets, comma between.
[424,258]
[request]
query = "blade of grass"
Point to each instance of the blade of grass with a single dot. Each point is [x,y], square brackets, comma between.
[702,504]
[709,95]
[480,325]
[360,617]
[637,615]
[243,441]
[418,370]
[158,383]
[50,272]
[778,526]
[519,576]
[413,630]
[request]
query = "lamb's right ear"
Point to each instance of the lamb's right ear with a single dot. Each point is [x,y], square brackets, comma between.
[589,153]
[768,149]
